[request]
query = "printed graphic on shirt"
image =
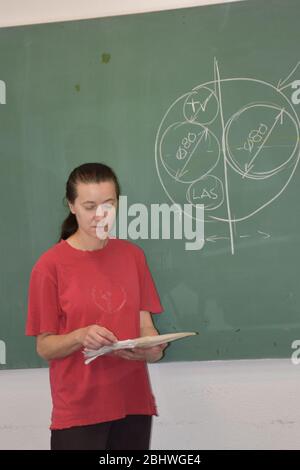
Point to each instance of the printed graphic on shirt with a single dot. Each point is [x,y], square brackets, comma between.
[109,298]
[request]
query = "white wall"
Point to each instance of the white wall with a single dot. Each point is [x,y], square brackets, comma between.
[16,12]
[208,405]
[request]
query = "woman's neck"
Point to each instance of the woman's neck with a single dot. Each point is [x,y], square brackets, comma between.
[82,242]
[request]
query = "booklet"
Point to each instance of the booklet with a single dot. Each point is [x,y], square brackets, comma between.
[142,342]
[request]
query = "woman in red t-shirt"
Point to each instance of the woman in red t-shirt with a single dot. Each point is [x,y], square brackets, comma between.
[87,291]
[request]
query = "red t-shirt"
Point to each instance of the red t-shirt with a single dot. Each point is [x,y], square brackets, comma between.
[70,289]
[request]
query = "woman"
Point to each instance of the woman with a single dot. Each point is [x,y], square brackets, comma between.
[87,291]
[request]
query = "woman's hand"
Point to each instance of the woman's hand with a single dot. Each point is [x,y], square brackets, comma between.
[52,346]
[95,336]
[140,354]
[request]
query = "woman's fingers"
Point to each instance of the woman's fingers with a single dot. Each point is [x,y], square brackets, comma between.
[90,344]
[96,336]
[130,354]
[106,334]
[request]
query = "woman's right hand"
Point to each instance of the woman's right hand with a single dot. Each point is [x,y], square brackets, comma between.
[95,336]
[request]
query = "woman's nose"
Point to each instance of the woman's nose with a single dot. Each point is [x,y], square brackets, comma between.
[98,218]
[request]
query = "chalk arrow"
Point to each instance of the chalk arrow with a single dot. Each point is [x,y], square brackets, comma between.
[249,166]
[183,170]
[281,85]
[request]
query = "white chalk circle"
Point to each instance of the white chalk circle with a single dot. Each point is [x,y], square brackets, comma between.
[201,106]
[208,191]
[260,140]
[189,151]
[259,151]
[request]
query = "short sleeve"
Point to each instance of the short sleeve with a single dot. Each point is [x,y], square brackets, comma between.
[149,298]
[43,306]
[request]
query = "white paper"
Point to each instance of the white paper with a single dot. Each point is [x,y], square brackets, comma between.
[142,342]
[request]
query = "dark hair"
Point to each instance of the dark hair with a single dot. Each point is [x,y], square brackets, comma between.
[86,173]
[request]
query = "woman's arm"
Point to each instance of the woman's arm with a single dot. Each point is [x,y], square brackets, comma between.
[147,327]
[51,346]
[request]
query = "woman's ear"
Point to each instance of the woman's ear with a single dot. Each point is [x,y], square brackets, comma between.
[71,207]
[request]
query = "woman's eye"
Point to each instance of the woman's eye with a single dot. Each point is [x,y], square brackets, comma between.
[89,208]
[107,206]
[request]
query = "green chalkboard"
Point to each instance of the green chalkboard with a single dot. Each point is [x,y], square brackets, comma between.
[192,106]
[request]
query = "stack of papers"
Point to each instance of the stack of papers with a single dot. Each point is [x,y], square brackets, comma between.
[142,342]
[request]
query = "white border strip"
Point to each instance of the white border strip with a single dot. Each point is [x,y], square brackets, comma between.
[21,12]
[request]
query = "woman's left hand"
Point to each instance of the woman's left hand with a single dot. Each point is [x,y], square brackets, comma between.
[140,354]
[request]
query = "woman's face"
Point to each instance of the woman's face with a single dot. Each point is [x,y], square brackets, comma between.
[95,207]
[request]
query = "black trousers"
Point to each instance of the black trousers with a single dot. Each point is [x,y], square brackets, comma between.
[130,433]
